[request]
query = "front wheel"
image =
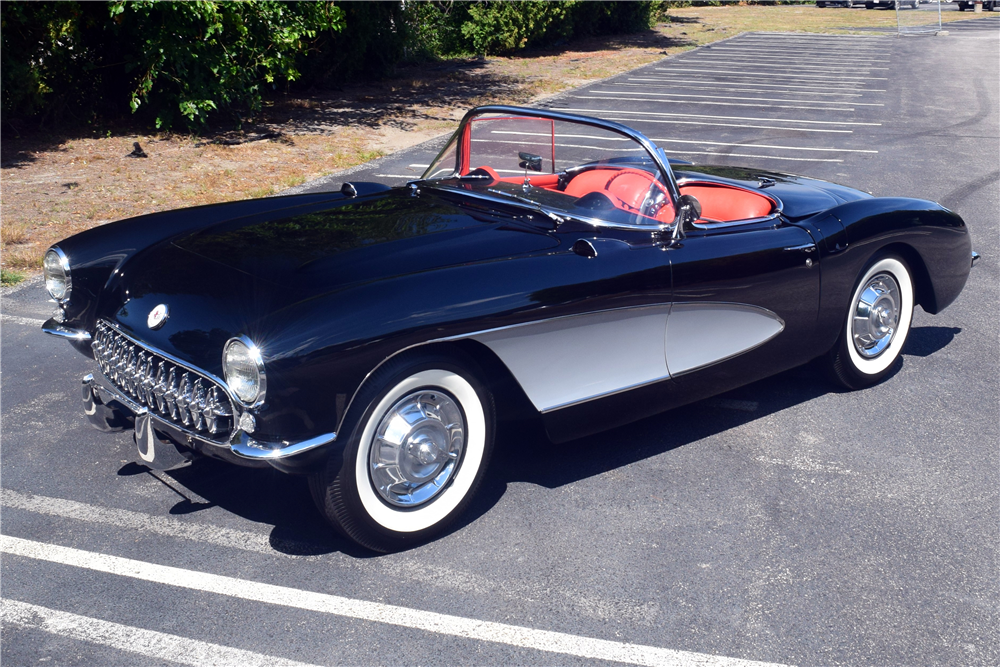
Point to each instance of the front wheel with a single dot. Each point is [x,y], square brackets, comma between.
[414,458]
[877,323]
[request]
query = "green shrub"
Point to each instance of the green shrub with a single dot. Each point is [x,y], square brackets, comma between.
[192,58]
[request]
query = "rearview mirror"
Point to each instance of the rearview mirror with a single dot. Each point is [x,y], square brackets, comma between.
[688,211]
[529,161]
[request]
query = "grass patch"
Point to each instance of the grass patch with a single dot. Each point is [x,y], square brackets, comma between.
[8,277]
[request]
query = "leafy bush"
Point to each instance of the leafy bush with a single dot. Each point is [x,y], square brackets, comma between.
[183,63]
[169,61]
[196,57]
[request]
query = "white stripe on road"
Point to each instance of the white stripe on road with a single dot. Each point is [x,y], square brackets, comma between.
[156,645]
[748,99]
[784,148]
[707,85]
[838,79]
[411,177]
[152,525]
[784,54]
[27,321]
[749,79]
[698,115]
[757,63]
[720,124]
[443,624]
[756,84]
[766,157]
[717,104]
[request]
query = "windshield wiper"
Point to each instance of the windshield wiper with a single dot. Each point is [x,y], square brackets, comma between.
[558,219]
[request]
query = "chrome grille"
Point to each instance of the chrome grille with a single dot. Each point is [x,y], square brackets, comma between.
[180,395]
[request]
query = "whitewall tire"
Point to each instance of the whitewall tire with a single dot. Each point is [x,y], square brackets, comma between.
[876,326]
[414,458]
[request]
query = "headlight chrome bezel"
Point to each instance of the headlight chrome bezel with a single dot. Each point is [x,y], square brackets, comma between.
[62,262]
[254,355]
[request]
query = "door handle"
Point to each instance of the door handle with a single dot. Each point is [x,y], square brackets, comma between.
[805,247]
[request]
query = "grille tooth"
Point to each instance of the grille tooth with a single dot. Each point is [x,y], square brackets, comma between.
[184,397]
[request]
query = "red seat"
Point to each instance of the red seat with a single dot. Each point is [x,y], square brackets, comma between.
[726,203]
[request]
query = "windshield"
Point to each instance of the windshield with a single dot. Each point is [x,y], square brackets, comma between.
[566,167]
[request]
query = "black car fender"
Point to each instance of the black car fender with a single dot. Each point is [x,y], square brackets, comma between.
[933,240]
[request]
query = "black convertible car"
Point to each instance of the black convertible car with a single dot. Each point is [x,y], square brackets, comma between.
[547,264]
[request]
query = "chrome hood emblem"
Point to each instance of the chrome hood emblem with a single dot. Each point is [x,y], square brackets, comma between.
[158,316]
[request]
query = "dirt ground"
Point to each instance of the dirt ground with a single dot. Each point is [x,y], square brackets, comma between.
[57,184]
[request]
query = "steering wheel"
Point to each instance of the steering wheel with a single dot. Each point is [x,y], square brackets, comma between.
[656,193]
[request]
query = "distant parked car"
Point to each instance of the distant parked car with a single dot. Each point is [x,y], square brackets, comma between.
[847,4]
[988,5]
[891,4]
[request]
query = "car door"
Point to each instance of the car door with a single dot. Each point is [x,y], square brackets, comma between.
[745,303]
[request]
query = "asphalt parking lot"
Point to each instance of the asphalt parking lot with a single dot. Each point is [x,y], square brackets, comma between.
[782,523]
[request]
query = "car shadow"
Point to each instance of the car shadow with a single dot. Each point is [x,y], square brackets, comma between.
[925,341]
[523,455]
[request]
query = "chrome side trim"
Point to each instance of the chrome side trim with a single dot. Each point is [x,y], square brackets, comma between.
[54,328]
[702,334]
[243,445]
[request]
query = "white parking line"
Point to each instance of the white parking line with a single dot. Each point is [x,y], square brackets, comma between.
[727,97]
[756,84]
[721,124]
[16,319]
[444,624]
[157,645]
[785,66]
[694,115]
[784,54]
[707,85]
[765,157]
[717,104]
[833,77]
[749,79]
[148,524]
[808,50]
[786,148]
[461,581]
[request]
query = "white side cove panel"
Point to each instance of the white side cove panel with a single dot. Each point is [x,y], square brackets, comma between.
[702,334]
[568,360]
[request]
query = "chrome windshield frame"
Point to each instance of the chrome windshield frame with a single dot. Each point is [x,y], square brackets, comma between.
[651,149]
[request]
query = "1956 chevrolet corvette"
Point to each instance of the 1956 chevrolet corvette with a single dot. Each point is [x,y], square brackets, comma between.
[545,263]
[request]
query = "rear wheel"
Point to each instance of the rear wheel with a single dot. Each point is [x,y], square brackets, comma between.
[414,458]
[877,324]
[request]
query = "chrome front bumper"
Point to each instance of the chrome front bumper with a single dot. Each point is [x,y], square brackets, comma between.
[108,409]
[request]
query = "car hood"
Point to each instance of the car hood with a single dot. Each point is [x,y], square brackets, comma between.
[324,248]
[801,197]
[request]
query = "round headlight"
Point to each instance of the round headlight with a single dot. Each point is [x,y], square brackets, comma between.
[55,266]
[244,370]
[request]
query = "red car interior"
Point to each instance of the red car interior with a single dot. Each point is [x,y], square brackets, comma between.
[727,203]
[628,188]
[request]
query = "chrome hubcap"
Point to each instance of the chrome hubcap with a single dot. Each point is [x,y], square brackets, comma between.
[876,316]
[417,448]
